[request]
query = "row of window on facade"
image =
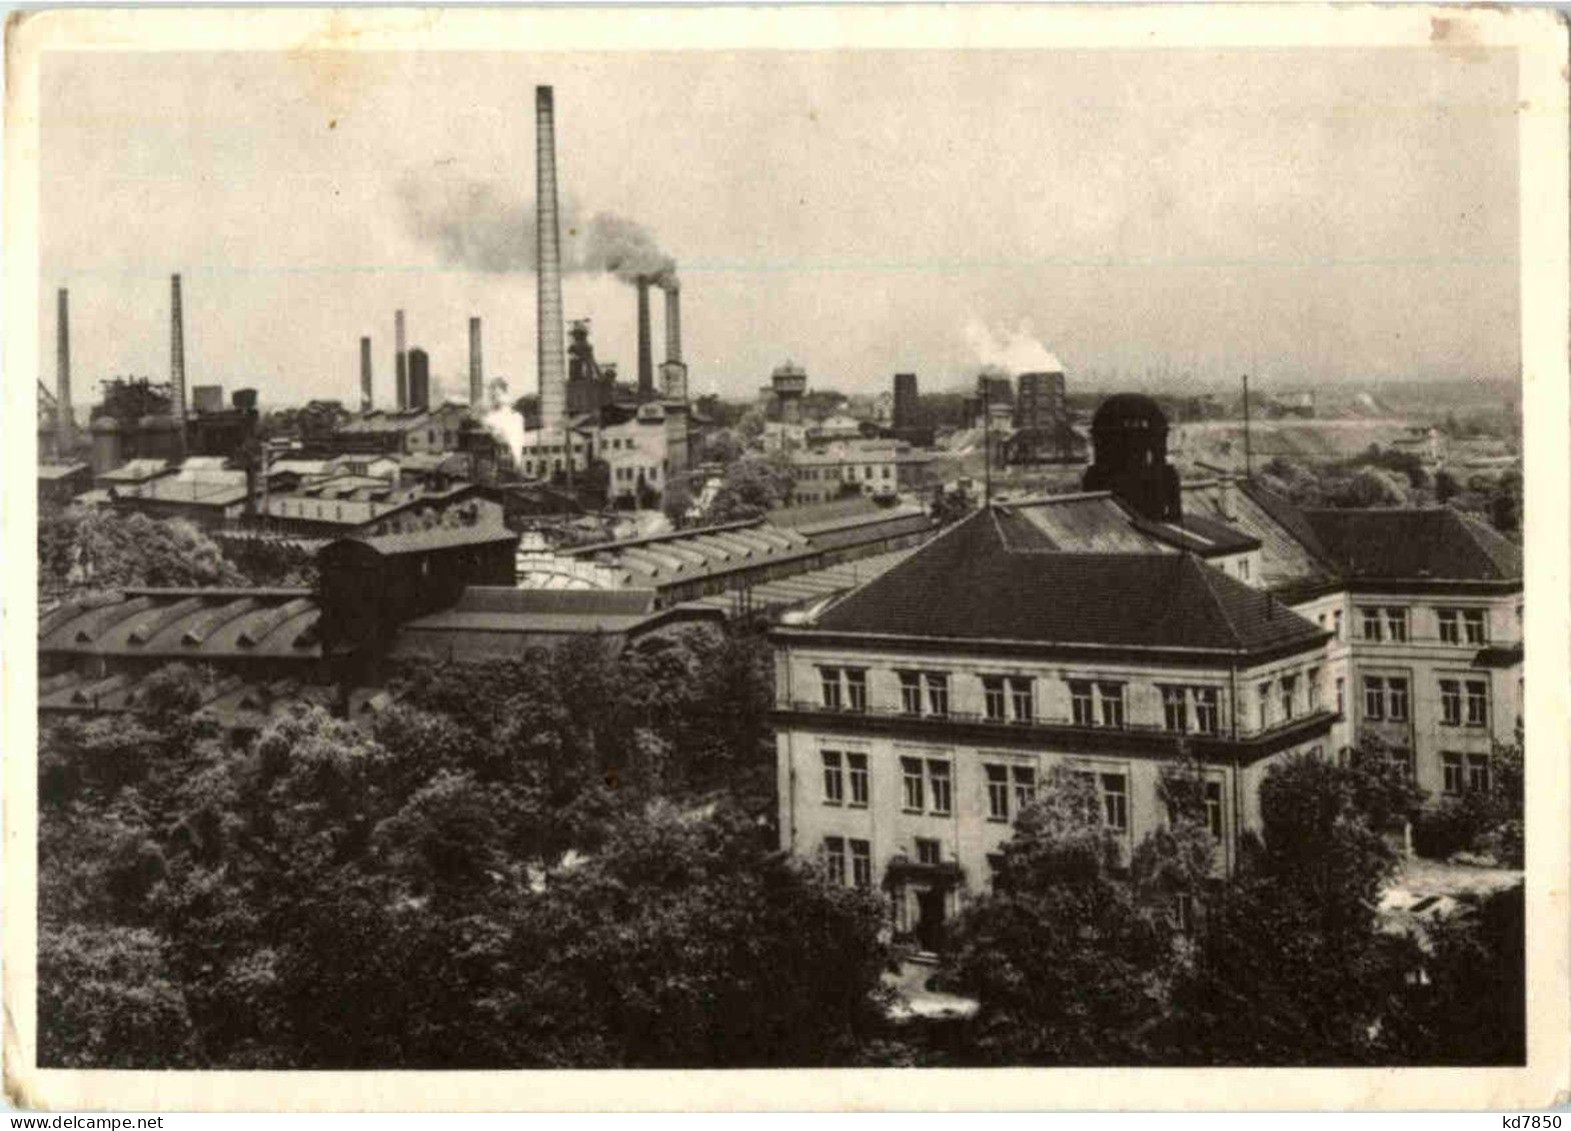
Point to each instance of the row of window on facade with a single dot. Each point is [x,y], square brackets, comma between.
[1093,703]
[927,788]
[1462,702]
[628,474]
[1382,623]
[838,472]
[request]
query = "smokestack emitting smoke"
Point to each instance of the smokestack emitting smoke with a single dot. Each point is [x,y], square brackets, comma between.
[176,350]
[646,361]
[551,359]
[673,321]
[65,424]
[365,374]
[400,362]
[476,376]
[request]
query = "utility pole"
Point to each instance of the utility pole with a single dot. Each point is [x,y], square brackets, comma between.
[1248,467]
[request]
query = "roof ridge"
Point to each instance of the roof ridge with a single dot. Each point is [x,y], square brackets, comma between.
[1221,607]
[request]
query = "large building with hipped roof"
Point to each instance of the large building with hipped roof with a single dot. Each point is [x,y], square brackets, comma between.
[1114,630]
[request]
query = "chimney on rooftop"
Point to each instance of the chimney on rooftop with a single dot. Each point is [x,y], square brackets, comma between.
[551,356]
[365,374]
[400,362]
[65,423]
[673,321]
[476,376]
[177,363]
[646,361]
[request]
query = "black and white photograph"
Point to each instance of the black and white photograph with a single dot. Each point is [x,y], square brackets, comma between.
[795,545]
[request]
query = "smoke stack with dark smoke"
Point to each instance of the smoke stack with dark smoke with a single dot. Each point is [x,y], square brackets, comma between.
[551,349]
[673,321]
[646,361]
[177,362]
[65,423]
[400,362]
[365,374]
[476,375]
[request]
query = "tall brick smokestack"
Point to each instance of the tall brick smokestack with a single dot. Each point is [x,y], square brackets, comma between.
[551,356]
[365,374]
[673,322]
[646,361]
[400,362]
[476,373]
[65,423]
[177,362]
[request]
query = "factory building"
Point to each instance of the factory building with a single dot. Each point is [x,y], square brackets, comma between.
[876,468]
[1105,632]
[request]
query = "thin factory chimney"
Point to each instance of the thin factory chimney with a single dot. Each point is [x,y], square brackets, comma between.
[673,322]
[65,423]
[400,362]
[551,355]
[476,373]
[365,374]
[646,361]
[177,362]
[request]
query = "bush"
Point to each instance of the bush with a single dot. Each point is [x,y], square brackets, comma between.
[1457,824]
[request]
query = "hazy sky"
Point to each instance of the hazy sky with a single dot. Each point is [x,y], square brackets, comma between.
[1324,215]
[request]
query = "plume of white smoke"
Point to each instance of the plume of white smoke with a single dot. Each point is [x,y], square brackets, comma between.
[507,425]
[1013,351]
[488,226]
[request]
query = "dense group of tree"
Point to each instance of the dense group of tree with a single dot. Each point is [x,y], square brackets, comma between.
[1078,959]
[522,864]
[87,549]
[1381,477]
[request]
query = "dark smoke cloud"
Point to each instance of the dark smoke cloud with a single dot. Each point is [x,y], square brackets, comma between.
[485,226]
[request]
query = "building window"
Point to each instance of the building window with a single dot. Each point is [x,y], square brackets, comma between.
[1371,623]
[1243,568]
[911,692]
[834,778]
[1175,709]
[1263,697]
[1341,695]
[1312,687]
[1478,773]
[911,772]
[1475,629]
[856,689]
[1207,717]
[1080,701]
[835,859]
[1025,786]
[1451,702]
[1336,624]
[1214,808]
[1289,695]
[938,782]
[1396,700]
[1449,633]
[1112,696]
[1396,624]
[997,793]
[993,697]
[938,693]
[1021,700]
[1477,703]
[1451,770]
[829,679]
[1374,697]
[861,863]
[927,851]
[856,764]
[1115,801]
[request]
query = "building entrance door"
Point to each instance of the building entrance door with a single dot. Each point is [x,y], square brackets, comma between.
[930,919]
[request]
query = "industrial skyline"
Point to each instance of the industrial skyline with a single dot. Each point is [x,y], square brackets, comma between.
[802,214]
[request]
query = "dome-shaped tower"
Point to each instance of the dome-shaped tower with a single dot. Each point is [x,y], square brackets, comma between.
[1129,438]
